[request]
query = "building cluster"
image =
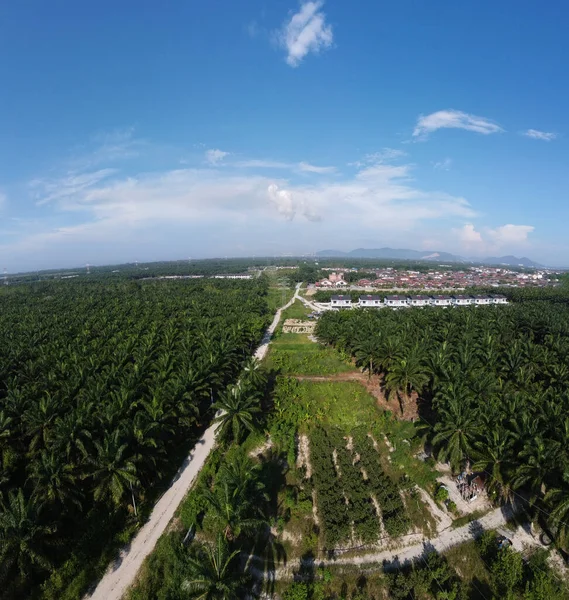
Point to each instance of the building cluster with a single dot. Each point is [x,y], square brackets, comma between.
[370,301]
[390,278]
[470,485]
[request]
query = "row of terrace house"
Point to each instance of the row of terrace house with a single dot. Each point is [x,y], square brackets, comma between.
[371,301]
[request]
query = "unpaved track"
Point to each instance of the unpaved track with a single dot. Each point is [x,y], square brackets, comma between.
[122,572]
[392,558]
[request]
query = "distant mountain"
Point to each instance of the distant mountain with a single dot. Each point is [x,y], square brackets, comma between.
[391,253]
[428,255]
[331,253]
[512,261]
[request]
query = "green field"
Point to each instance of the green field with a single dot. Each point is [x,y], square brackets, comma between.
[294,354]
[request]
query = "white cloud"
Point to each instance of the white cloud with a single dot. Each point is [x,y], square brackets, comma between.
[215,156]
[3,200]
[490,240]
[308,168]
[468,235]
[305,32]
[453,119]
[546,136]
[282,199]
[443,165]
[379,199]
[510,234]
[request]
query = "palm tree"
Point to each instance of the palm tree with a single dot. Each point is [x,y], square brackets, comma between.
[238,405]
[23,538]
[254,374]
[214,573]
[237,499]
[405,375]
[455,433]
[365,353]
[112,472]
[495,457]
[242,477]
[234,513]
[54,481]
[537,460]
[559,498]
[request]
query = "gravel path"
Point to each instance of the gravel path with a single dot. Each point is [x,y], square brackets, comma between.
[122,572]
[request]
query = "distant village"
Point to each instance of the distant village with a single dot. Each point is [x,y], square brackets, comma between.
[390,278]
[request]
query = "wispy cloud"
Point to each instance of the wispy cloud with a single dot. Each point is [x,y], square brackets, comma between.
[215,156]
[306,31]
[252,29]
[308,168]
[48,190]
[303,167]
[384,156]
[535,134]
[443,165]
[262,164]
[3,200]
[105,147]
[454,119]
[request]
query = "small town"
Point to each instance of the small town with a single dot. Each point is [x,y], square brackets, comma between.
[391,278]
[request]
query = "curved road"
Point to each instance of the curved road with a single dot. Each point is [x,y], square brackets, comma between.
[122,572]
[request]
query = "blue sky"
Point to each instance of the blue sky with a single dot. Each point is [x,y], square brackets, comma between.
[135,130]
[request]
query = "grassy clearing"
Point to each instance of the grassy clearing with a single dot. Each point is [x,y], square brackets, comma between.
[344,404]
[419,513]
[401,437]
[299,356]
[466,560]
[296,311]
[278,296]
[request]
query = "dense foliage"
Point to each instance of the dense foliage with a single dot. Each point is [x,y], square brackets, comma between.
[492,385]
[349,483]
[103,387]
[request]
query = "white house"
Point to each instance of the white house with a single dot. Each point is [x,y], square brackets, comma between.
[367,301]
[482,300]
[341,302]
[441,301]
[499,299]
[462,300]
[419,301]
[396,301]
[341,283]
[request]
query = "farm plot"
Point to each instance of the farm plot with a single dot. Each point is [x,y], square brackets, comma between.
[353,494]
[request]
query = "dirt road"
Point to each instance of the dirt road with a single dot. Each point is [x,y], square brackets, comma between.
[393,558]
[122,572]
